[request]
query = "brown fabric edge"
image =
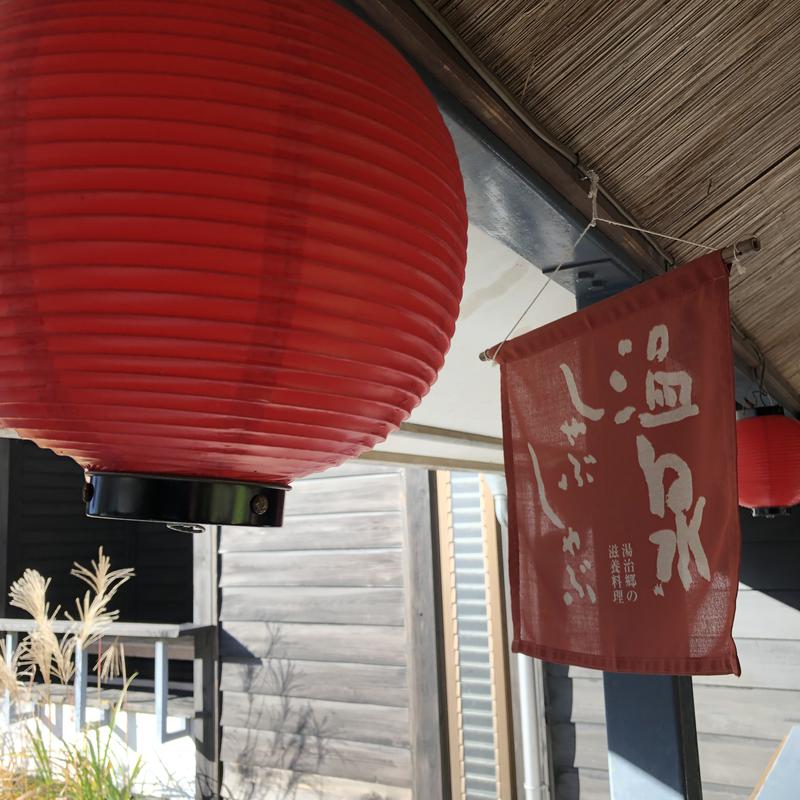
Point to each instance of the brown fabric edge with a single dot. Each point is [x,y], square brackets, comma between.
[723,665]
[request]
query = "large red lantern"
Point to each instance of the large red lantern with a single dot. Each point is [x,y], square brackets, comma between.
[232,245]
[768,445]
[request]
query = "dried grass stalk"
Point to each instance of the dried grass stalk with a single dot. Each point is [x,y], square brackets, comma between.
[41,650]
[9,673]
[94,616]
[111,663]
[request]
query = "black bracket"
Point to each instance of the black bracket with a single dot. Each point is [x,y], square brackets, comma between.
[183,501]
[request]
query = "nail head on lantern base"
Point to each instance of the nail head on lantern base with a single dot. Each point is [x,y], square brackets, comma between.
[183,503]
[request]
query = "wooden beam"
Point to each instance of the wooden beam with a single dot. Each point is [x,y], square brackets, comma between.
[431,462]
[428,718]
[207,699]
[411,27]
[421,32]
[652,739]
[144,631]
[447,570]
[5,490]
[448,435]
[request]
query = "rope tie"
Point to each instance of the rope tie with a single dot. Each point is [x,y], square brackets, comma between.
[539,293]
[656,233]
[736,264]
[594,188]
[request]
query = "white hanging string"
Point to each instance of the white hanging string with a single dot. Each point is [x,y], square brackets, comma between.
[594,181]
[736,263]
[656,233]
[532,303]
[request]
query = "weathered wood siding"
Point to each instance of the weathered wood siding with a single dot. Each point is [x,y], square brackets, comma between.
[740,721]
[315,645]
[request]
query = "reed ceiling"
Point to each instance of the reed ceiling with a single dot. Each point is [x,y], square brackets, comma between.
[690,112]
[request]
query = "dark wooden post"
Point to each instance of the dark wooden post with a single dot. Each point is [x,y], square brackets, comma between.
[652,739]
[428,717]
[5,492]
[206,664]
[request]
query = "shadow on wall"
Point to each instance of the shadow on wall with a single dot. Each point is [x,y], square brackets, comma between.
[286,742]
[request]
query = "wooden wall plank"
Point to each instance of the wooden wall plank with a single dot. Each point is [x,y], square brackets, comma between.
[313,638]
[716,791]
[576,700]
[725,760]
[374,567]
[424,629]
[363,644]
[582,784]
[751,713]
[766,664]
[591,784]
[254,783]
[569,671]
[355,467]
[326,605]
[357,722]
[313,532]
[355,683]
[763,616]
[726,710]
[580,745]
[345,759]
[734,761]
[352,493]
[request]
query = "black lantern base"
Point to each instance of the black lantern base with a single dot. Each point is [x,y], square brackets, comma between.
[760,411]
[771,511]
[183,502]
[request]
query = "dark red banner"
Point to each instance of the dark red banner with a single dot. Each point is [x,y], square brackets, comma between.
[620,452]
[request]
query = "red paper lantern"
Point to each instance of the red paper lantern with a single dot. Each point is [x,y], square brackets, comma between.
[768,446]
[232,239]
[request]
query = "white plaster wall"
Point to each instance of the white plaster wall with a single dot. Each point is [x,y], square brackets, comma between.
[466,396]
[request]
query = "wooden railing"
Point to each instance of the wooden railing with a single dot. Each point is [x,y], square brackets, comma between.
[162,642]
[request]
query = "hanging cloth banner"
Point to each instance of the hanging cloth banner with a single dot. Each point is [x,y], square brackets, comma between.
[620,454]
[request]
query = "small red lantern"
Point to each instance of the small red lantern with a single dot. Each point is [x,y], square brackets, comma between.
[768,445]
[232,246]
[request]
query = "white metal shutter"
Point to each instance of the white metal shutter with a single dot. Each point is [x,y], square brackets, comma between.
[480,764]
